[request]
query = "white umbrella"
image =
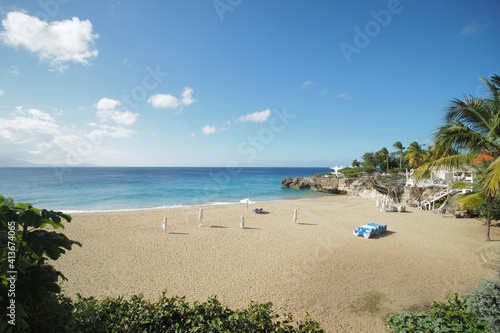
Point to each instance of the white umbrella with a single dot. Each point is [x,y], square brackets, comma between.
[164,226]
[247,201]
[242,222]
[378,204]
[200,217]
[295,215]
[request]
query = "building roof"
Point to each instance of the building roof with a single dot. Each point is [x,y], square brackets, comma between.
[481,157]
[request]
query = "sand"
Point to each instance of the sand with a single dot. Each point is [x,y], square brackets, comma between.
[315,265]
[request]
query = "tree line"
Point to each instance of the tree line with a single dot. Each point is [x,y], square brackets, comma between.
[399,159]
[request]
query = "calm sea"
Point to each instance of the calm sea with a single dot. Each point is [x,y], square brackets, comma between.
[101,188]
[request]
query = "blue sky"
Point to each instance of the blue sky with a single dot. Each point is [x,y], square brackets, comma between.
[234,82]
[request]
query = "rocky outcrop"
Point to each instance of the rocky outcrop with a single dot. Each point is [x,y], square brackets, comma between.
[414,195]
[362,187]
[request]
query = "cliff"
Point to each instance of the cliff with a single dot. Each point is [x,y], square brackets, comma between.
[362,187]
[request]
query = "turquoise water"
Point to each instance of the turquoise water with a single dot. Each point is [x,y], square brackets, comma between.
[98,189]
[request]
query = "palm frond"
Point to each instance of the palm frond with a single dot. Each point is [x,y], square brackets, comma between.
[470,200]
[457,136]
[471,111]
[444,163]
[460,185]
[494,85]
[490,178]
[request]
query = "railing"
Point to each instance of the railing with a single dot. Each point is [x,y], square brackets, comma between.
[427,204]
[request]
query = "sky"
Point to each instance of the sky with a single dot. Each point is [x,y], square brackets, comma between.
[231,83]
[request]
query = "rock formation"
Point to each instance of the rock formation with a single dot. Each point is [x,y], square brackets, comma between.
[362,187]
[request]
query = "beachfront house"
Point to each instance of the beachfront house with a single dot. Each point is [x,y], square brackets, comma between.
[445,177]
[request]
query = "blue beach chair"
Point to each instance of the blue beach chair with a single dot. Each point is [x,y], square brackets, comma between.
[370,229]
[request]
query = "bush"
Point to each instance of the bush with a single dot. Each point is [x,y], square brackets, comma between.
[177,315]
[28,282]
[450,315]
[351,172]
[495,211]
[484,300]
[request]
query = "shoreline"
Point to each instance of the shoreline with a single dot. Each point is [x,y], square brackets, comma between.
[69,211]
[314,266]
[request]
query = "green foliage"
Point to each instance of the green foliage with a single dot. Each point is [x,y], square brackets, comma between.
[482,209]
[450,315]
[25,246]
[484,300]
[351,172]
[177,315]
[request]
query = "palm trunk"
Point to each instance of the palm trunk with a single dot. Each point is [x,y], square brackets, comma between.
[488,219]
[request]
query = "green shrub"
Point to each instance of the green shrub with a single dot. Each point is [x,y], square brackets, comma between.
[450,315]
[351,172]
[495,211]
[29,284]
[177,315]
[484,300]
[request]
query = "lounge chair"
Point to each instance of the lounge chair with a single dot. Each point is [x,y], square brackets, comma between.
[258,210]
[370,229]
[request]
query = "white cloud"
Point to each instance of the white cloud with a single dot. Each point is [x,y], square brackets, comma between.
[344,96]
[307,85]
[104,130]
[256,117]
[57,42]
[14,71]
[26,126]
[2,92]
[163,101]
[186,96]
[168,101]
[107,104]
[106,111]
[470,29]
[474,28]
[36,136]
[193,134]
[207,129]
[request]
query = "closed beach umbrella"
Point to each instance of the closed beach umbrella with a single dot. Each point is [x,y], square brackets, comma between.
[200,217]
[378,204]
[164,226]
[295,215]
[242,222]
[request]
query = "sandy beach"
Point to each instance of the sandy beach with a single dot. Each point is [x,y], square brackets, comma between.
[315,265]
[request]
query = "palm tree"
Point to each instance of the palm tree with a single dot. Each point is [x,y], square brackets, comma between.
[415,154]
[399,146]
[472,127]
[385,154]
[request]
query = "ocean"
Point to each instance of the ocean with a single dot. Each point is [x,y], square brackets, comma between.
[121,188]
